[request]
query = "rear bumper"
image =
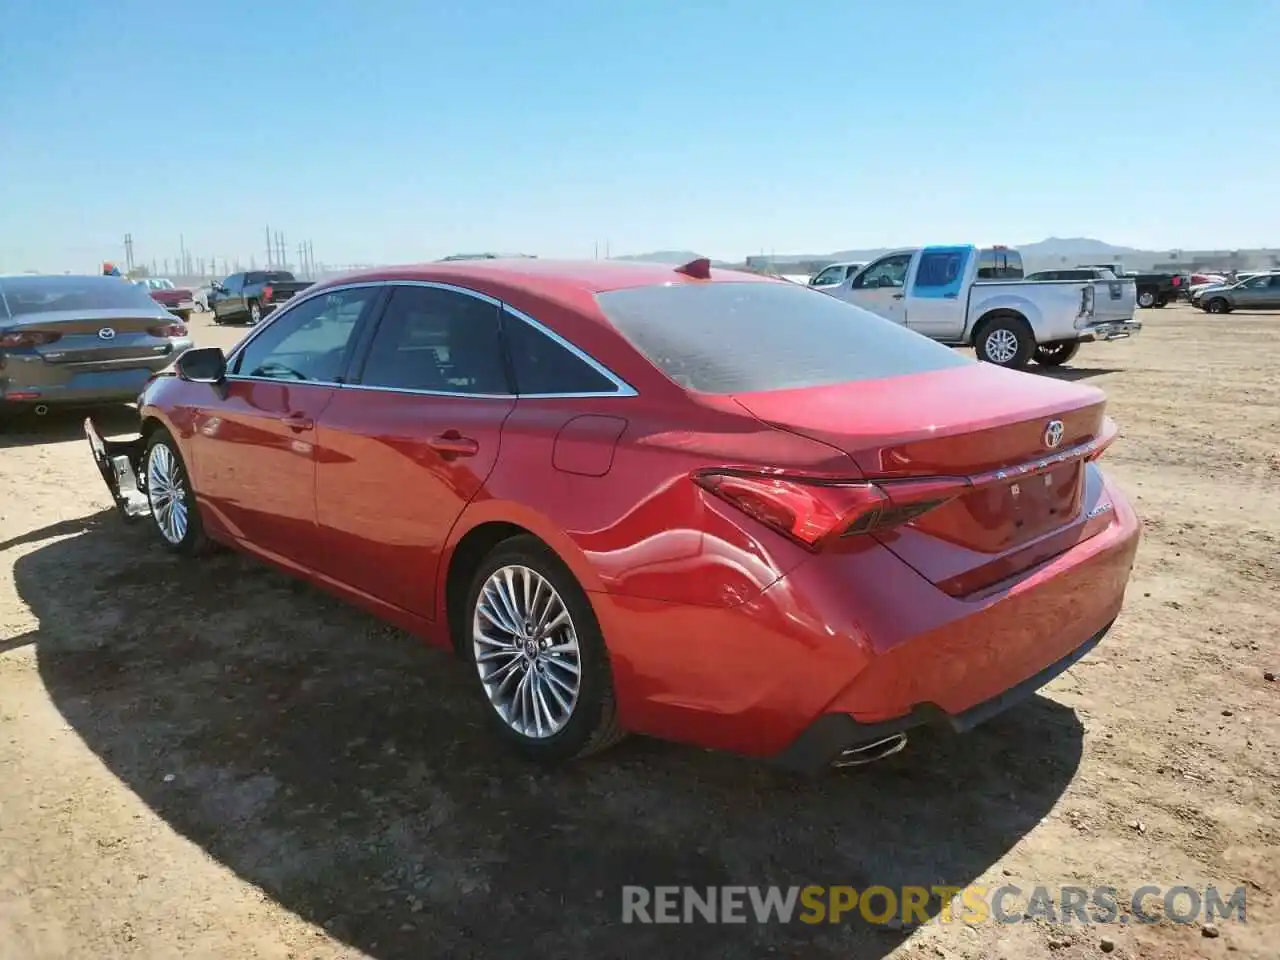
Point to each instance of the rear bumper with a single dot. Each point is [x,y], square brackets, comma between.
[182,307]
[856,644]
[1109,330]
[833,733]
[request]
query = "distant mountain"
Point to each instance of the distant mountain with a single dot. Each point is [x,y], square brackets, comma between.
[1077,247]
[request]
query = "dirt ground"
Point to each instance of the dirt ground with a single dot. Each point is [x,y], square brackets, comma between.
[211,760]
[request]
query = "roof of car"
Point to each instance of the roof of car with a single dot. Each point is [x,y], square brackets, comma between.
[546,276]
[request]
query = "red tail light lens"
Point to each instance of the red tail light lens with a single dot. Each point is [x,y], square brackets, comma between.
[1177,281]
[174,329]
[813,512]
[27,338]
[266,292]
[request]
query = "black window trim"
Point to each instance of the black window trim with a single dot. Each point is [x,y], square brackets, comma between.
[370,321]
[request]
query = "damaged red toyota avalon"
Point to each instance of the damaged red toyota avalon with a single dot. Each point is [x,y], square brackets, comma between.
[690,503]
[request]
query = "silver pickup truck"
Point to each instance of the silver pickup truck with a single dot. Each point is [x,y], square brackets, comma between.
[971,296]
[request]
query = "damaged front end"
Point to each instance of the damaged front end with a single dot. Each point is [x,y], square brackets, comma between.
[120,463]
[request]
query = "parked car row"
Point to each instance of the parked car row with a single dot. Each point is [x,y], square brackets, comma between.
[1250,291]
[630,499]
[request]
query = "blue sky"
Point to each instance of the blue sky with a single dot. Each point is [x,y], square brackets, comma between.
[407,131]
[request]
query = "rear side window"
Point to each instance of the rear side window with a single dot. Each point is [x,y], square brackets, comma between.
[999,263]
[542,365]
[46,294]
[435,340]
[746,337]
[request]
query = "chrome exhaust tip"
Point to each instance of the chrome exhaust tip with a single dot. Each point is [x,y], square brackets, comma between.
[871,752]
[41,409]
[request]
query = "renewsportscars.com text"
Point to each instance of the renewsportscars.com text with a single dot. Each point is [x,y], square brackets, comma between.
[974,904]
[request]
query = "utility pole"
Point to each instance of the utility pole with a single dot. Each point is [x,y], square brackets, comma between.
[284,259]
[128,252]
[269,257]
[182,252]
[596,251]
[311,261]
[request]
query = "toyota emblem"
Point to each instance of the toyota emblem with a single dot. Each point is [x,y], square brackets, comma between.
[1053,432]
[106,333]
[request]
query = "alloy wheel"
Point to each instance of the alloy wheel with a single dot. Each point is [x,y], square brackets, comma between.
[526,651]
[1001,346]
[167,494]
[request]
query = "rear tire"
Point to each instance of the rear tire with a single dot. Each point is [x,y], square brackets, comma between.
[1146,299]
[1056,354]
[523,583]
[174,515]
[1217,305]
[255,313]
[1005,341]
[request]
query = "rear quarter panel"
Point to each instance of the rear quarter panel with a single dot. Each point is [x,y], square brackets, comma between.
[640,527]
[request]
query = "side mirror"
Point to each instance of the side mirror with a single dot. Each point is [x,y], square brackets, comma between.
[202,365]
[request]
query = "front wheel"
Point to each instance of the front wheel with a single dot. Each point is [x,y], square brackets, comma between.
[539,655]
[1056,354]
[173,504]
[1006,342]
[1216,305]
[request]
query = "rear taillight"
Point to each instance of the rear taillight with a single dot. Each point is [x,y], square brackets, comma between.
[1106,436]
[27,338]
[813,512]
[267,291]
[174,329]
[1177,281]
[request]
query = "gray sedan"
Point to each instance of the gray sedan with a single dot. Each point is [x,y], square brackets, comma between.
[80,340]
[1261,292]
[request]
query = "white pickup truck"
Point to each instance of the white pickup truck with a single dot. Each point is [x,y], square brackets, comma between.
[971,296]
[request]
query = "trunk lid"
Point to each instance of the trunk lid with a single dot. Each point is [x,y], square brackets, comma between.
[1020,441]
[82,335]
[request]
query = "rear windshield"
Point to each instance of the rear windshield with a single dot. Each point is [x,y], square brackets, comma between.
[746,337]
[39,294]
[269,276]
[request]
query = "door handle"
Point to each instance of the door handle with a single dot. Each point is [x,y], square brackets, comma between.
[298,422]
[897,296]
[453,444]
[949,296]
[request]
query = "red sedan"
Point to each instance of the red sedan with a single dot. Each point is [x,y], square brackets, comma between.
[696,504]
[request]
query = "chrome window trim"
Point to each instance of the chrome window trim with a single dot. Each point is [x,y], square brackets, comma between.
[623,389]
